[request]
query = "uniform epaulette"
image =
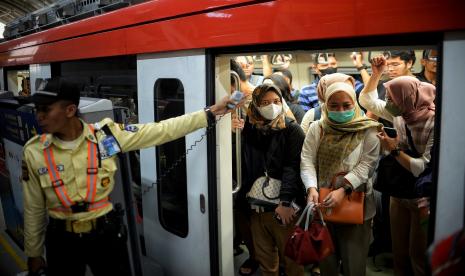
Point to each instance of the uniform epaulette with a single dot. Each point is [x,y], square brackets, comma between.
[34,139]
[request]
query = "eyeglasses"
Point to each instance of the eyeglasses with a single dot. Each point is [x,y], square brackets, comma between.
[391,65]
[432,59]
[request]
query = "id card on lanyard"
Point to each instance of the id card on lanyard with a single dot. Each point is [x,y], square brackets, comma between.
[108,147]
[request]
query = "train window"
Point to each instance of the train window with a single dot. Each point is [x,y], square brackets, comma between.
[17,81]
[172,175]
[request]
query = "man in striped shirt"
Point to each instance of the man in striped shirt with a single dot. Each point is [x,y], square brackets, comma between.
[324,63]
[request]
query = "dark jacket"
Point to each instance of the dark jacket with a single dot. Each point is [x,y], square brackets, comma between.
[282,151]
[298,111]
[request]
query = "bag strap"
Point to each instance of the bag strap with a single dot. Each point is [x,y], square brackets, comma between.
[309,212]
[410,141]
[321,216]
[264,163]
[304,212]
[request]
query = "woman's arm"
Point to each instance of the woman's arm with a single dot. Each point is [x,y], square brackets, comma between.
[414,165]
[291,184]
[368,98]
[366,165]
[308,161]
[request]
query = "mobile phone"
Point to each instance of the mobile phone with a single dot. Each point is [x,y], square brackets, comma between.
[235,97]
[390,132]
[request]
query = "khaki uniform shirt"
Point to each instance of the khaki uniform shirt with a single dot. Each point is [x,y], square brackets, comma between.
[39,195]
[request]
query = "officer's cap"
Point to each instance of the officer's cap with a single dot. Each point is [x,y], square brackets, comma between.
[55,89]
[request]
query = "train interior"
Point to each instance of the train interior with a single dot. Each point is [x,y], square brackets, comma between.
[120,80]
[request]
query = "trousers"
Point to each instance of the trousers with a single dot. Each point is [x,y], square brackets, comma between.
[103,249]
[351,242]
[269,239]
[409,240]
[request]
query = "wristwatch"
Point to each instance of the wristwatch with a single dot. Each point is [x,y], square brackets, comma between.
[395,152]
[347,189]
[210,116]
[362,67]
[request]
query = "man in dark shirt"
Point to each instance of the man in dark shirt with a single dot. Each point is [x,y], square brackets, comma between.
[429,64]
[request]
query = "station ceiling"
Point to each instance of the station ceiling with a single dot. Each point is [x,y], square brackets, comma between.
[12,9]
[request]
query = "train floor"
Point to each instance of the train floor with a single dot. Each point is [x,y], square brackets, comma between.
[383,265]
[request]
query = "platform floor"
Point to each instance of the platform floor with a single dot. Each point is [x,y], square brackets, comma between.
[383,265]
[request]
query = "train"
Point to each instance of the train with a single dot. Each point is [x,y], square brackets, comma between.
[158,59]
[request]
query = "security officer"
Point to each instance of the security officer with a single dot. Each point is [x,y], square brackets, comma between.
[68,175]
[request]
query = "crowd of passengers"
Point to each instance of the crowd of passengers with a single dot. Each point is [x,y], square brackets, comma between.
[333,129]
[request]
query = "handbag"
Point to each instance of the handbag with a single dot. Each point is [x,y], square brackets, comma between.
[395,180]
[350,210]
[265,191]
[312,243]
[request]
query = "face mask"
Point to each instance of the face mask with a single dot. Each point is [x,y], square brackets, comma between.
[393,109]
[271,111]
[341,116]
[328,71]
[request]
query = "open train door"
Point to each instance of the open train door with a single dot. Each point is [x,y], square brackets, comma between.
[175,190]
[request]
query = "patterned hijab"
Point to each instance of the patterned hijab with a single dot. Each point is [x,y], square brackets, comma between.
[256,119]
[339,140]
[327,80]
[414,98]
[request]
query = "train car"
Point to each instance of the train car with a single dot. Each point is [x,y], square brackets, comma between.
[160,59]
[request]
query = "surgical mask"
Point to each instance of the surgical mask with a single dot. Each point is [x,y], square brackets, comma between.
[271,111]
[393,109]
[341,116]
[328,71]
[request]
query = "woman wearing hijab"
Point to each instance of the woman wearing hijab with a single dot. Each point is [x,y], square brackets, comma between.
[410,107]
[324,82]
[272,142]
[285,88]
[343,141]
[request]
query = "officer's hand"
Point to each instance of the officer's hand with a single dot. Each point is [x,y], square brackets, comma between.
[34,264]
[221,107]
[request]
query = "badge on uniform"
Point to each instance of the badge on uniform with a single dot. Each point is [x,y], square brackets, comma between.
[108,147]
[105,182]
[42,171]
[131,128]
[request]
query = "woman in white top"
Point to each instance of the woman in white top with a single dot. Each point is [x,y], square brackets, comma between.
[344,140]
[410,106]
[314,114]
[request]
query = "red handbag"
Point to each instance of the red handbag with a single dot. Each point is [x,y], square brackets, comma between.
[312,243]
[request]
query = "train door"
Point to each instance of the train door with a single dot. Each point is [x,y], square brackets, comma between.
[175,191]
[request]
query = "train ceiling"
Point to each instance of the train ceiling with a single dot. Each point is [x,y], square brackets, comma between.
[13,9]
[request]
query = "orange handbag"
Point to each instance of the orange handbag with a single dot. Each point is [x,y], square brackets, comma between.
[349,211]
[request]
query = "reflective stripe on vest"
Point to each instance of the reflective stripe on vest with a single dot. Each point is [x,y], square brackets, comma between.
[92,172]
[92,206]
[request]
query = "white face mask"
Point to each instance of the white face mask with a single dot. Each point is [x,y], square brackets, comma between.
[271,111]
